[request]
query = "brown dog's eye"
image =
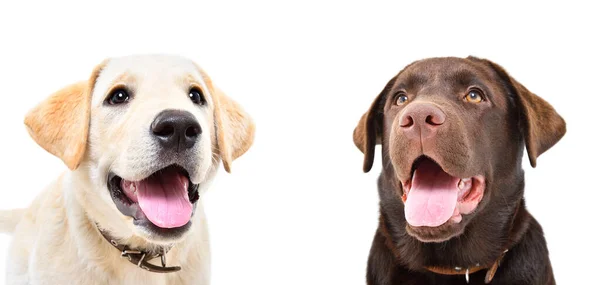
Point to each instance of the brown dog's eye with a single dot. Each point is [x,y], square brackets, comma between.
[401,99]
[118,96]
[474,96]
[196,96]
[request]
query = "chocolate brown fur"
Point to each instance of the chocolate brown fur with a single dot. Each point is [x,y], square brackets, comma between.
[477,139]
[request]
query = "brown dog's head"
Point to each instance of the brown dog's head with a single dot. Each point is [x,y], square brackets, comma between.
[452,131]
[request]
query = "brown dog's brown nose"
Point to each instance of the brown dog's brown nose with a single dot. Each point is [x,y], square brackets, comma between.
[421,120]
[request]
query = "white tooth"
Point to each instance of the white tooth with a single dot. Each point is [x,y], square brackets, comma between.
[130,187]
[464,183]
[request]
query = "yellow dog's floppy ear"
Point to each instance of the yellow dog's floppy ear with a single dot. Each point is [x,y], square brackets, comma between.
[541,125]
[60,123]
[235,129]
[233,126]
[368,132]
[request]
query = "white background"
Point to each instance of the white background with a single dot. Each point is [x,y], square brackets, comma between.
[297,208]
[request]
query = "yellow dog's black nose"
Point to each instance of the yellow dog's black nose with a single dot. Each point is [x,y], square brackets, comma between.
[176,130]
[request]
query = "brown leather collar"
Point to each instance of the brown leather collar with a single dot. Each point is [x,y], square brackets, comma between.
[140,258]
[466,271]
[514,235]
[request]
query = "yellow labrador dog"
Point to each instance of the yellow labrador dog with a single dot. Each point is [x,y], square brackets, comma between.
[142,138]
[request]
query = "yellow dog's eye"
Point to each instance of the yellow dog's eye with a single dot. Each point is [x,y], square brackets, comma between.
[196,96]
[118,96]
[401,99]
[474,96]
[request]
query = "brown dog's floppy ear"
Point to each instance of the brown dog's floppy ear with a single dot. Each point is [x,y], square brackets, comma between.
[60,123]
[542,126]
[367,133]
[235,129]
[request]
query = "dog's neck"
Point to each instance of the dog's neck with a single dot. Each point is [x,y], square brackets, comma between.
[482,242]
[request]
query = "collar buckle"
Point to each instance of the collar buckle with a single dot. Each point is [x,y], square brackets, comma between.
[467,275]
[127,252]
[141,258]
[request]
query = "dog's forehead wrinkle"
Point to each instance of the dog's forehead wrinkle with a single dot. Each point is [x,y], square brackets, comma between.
[432,75]
[411,80]
[461,77]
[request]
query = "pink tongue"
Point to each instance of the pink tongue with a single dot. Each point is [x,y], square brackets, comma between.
[432,197]
[164,199]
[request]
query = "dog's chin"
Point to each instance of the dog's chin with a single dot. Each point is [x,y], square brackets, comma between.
[161,206]
[436,234]
[439,205]
[155,234]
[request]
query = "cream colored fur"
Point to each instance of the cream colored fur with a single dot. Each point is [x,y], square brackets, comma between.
[56,240]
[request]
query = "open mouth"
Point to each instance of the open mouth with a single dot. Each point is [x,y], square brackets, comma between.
[166,198]
[433,197]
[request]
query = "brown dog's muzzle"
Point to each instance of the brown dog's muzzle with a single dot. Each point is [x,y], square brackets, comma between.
[424,128]
[421,121]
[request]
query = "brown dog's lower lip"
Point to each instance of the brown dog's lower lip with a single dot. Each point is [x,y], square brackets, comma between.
[438,234]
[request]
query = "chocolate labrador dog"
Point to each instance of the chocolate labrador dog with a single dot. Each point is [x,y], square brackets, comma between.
[452,132]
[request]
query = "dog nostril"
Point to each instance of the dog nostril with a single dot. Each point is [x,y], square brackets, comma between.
[163,130]
[406,122]
[192,131]
[430,120]
[434,120]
